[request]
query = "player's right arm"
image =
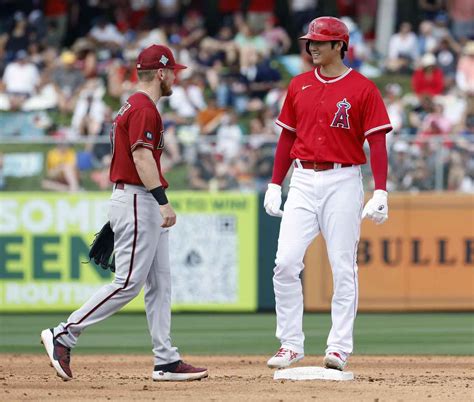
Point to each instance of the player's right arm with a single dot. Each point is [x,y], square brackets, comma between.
[148,173]
[146,167]
[272,201]
[287,121]
[282,156]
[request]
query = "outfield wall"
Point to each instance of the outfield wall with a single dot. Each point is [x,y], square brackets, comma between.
[222,254]
[45,237]
[421,259]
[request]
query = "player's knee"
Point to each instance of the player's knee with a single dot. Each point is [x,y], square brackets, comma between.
[287,269]
[288,259]
[135,288]
[345,283]
[159,292]
[131,285]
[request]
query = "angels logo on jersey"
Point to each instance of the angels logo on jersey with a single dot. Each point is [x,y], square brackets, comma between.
[341,117]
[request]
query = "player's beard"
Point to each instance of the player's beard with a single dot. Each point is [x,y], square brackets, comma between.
[165,89]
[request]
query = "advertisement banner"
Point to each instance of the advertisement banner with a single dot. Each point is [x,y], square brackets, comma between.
[422,258]
[45,238]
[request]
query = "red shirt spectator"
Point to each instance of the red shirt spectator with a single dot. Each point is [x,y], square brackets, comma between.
[435,124]
[55,8]
[229,6]
[261,6]
[429,78]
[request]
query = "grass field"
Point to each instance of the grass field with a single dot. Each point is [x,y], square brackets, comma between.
[224,334]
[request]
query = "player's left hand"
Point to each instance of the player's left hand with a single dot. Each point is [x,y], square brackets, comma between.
[376,208]
[168,214]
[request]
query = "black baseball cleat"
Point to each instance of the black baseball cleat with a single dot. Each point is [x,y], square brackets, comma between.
[178,371]
[59,355]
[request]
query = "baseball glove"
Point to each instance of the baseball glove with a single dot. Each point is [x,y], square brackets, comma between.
[102,248]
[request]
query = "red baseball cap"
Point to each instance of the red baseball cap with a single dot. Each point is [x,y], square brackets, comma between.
[157,56]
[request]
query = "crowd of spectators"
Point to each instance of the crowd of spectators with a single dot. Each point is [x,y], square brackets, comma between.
[78,60]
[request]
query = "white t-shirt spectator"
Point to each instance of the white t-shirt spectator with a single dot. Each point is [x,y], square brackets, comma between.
[229,139]
[187,102]
[302,5]
[22,78]
[465,72]
[108,33]
[403,46]
[154,36]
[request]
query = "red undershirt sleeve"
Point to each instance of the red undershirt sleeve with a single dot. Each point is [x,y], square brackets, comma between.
[378,159]
[282,156]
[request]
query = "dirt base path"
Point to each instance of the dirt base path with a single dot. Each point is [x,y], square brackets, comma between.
[237,378]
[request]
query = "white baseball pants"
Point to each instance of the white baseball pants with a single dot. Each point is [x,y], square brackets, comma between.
[329,202]
[141,259]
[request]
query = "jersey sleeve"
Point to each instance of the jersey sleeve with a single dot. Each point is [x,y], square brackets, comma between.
[143,129]
[375,113]
[287,117]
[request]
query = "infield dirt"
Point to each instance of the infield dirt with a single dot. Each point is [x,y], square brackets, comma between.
[237,378]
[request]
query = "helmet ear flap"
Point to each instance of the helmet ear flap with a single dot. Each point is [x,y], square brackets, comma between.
[307,47]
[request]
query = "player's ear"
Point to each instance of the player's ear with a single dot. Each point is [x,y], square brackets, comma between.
[160,73]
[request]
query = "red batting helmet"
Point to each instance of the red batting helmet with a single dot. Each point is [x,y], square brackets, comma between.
[327,29]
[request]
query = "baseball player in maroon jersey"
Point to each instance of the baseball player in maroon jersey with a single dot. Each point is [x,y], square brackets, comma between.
[140,216]
[327,115]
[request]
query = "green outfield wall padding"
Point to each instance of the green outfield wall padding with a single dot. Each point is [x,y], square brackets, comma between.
[268,230]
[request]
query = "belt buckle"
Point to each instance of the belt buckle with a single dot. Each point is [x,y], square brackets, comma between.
[316,168]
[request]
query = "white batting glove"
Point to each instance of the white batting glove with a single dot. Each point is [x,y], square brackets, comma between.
[272,201]
[376,208]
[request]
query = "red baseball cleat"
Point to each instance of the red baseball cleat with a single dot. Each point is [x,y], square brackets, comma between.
[178,371]
[59,354]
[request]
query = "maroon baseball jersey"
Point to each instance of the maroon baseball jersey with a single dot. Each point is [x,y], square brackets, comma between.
[137,124]
[332,117]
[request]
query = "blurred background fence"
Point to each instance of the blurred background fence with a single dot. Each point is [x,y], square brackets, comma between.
[240,162]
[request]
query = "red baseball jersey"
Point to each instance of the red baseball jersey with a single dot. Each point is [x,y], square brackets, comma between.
[137,124]
[332,117]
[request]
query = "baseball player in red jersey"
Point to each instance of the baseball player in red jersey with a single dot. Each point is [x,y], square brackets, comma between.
[140,216]
[327,115]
